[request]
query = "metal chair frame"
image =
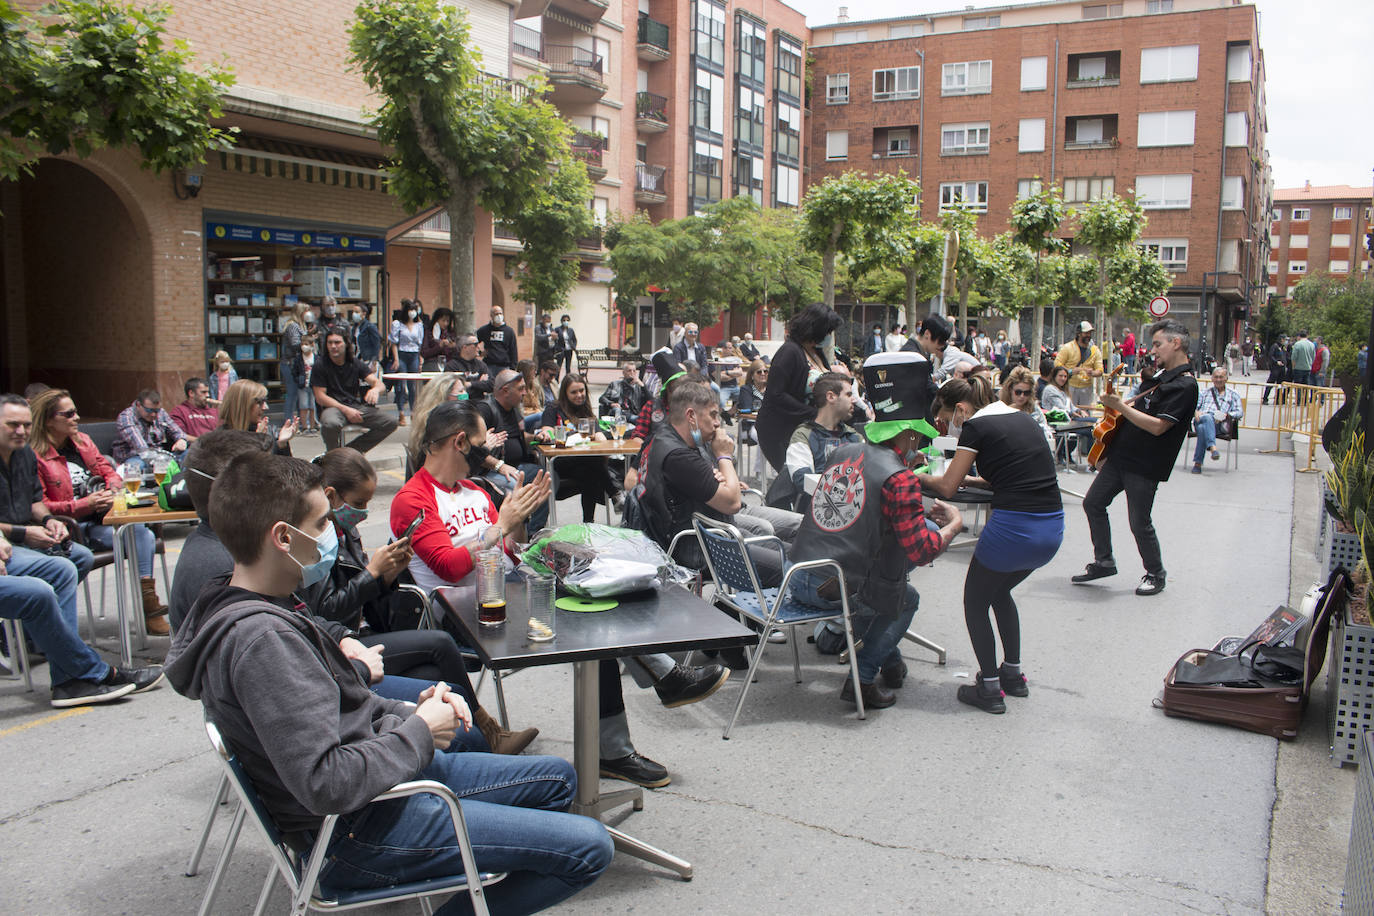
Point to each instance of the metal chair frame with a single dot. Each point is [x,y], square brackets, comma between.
[1232,449]
[18,659]
[717,536]
[301,873]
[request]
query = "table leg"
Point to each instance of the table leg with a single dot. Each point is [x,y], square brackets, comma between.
[551,464]
[920,640]
[121,571]
[587,764]
[137,619]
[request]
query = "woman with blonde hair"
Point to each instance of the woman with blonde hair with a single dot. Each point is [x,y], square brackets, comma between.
[222,375]
[446,386]
[1018,390]
[245,407]
[532,401]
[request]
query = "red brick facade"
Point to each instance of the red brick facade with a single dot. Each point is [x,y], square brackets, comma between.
[1324,252]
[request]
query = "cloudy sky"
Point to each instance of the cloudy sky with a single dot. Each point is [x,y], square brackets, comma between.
[1320,61]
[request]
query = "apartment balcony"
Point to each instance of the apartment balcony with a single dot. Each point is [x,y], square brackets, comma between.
[651,186]
[1091,132]
[1087,71]
[653,40]
[1106,143]
[576,75]
[590,10]
[527,42]
[651,113]
[591,242]
[590,149]
[503,238]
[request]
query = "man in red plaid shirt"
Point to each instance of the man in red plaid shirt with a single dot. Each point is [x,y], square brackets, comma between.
[866,514]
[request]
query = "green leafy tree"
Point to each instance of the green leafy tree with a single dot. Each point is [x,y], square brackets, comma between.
[789,275]
[978,262]
[549,225]
[1034,221]
[458,138]
[909,247]
[80,75]
[1273,321]
[1109,227]
[1338,310]
[838,213]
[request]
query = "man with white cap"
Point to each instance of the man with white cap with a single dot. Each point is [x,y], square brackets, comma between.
[1084,361]
[867,515]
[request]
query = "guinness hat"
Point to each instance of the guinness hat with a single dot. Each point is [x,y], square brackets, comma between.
[897,384]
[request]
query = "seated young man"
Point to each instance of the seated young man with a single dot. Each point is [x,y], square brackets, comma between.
[460,519]
[336,379]
[808,451]
[336,745]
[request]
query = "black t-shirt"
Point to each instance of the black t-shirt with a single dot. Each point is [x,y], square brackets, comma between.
[471,370]
[341,383]
[691,478]
[500,342]
[19,487]
[1171,395]
[1014,458]
[515,452]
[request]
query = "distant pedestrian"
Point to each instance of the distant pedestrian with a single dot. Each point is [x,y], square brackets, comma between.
[1278,368]
[1247,355]
[565,351]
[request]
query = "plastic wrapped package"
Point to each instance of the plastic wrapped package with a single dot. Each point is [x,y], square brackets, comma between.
[597,561]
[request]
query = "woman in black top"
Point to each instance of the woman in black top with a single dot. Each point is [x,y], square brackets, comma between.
[1024,529]
[588,476]
[798,363]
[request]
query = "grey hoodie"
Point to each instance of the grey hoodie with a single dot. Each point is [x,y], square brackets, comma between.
[311,735]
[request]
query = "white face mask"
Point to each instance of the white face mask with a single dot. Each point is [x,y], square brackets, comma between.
[309,317]
[223,367]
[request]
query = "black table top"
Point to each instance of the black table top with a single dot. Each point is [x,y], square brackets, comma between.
[668,620]
[971,496]
[1073,426]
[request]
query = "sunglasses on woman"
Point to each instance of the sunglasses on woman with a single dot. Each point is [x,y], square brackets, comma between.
[67,414]
[1020,392]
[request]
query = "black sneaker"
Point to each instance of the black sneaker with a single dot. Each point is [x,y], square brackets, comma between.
[1013,685]
[1150,585]
[685,685]
[638,769]
[974,695]
[894,676]
[1093,571]
[142,678]
[77,692]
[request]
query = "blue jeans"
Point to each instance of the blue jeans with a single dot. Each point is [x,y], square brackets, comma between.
[881,634]
[288,379]
[145,542]
[40,591]
[405,390]
[514,808]
[1206,428]
[730,393]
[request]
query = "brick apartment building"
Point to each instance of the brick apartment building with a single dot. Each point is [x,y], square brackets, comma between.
[1165,97]
[114,278]
[1315,230]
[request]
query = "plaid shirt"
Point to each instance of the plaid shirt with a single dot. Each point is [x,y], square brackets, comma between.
[645,420]
[902,510]
[136,435]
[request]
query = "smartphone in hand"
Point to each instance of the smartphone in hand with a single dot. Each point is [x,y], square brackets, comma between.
[410,529]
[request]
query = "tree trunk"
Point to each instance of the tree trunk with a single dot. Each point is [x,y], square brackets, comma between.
[1039,323]
[828,277]
[963,306]
[462,220]
[911,322]
[1101,314]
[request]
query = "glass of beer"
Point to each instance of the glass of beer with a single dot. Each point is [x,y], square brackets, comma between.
[491,586]
[133,478]
[160,471]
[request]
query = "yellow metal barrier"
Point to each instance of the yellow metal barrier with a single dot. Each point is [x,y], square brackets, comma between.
[1304,410]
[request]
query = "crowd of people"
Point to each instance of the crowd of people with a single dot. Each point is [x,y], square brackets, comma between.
[279,596]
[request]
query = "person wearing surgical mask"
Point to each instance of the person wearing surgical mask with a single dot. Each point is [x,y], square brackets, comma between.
[407,336]
[296,328]
[222,375]
[1024,529]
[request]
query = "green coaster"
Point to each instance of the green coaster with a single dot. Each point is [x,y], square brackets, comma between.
[586,605]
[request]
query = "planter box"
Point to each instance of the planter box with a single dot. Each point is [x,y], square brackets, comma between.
[1342,548]
[1359,868]
[1349,687]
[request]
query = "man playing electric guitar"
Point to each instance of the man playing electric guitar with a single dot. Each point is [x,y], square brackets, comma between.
[1152,426]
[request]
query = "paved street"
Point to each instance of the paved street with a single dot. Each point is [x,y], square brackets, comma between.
[1082,799]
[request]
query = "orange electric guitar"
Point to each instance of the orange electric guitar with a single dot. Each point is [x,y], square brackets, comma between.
[1106,427]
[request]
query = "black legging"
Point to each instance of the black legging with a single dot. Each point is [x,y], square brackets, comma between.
[984,588]
[426,655]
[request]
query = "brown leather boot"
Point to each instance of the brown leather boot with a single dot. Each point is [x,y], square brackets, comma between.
[154,611]
[501,740]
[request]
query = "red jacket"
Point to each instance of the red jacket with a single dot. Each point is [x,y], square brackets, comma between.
[57,482]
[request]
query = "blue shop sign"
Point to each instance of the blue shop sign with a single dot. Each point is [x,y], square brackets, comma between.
[305,238]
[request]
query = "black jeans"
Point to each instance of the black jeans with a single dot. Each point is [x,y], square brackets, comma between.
[1140,501]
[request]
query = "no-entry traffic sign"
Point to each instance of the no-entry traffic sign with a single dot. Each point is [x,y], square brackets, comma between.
[1159,306]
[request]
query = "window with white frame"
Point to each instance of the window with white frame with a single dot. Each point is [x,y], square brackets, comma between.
[1339,267]
[1273,268]
[1342,212]
[1159,6]
[1297,267]
[786,185]
[1276,214]
[1167,65]
[1028,187]
[896,83]
[1301,213]
[1165,128]
[1297,241]
[982,22]
[964,139]
[906,30]
[1164,192]
[1172,253]
[1031,136]
[1340,240]
[1275,242]
[836,144]
[1230,256]
[837,89]
[1233,192]
[849,36]
[969,77]
[1101,10]
[1237,128]
[966,195]
[1238,64]
[1082,190]
[899,141]
[1033,73]
[601,210]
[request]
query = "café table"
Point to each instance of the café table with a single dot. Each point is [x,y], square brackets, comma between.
[670,619]
[552,454]
[410,376]
[128,593]
[1063,434]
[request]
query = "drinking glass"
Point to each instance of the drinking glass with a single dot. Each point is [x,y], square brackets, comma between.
[133,478]
[539,594]
[491,586]
[160,470]
[584,427]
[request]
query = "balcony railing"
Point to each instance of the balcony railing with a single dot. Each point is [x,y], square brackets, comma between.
[590,148]
[1107,143]
[570,61]
[653,33]
[591,242]
[649,178]
[528,42]
[650,106]
[504,231]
